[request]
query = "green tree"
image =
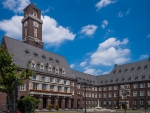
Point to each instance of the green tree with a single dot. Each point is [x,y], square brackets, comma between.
[27,104]
[8,74]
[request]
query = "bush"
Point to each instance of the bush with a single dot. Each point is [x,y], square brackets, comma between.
[49,106]
[57,107]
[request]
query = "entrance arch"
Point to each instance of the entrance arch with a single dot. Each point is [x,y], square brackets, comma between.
[72,103]
[44,102]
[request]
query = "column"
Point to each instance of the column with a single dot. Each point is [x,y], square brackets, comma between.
[40,105]
[63,103]
[69,104]
[48,101]
[56,102]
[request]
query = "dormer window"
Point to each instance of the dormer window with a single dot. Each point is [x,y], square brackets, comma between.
[123,79]
[41,66]
[34,13]
[33,65]
[125,70]
[132,69]
[117,80]
[63,71]
[27,52]
[136,78]
[57,70]
[145,67]
[36,55]
[101,82]
[57,61]
[49,68]
[114,72]
[34,77]
[44,57]
[129,79]
[143,77]
[138,68]
[106,81]
[51,59]
[119,71]
[111,80]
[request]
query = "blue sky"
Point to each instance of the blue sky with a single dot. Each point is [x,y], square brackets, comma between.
[92,35]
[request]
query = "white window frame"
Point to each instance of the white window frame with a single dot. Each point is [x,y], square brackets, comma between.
[135,86]
[142,85]
[110,87]
[23,87]
[142,93]
[148,84]
[115,87]
[134,93]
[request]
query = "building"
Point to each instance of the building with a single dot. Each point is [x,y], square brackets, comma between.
[55,83]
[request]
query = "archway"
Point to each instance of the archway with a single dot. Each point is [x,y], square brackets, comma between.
[52,102]
[44,102]
[59,102]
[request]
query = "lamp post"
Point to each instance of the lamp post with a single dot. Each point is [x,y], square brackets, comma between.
[125,93]
[85,85]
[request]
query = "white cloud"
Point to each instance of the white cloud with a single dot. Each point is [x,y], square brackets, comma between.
[92,71]
[72,65]
[111,52]
[12,27]
[148,36]
[15,5]
[82,64]
[104,3]
[53,34]
[128,11]
[143,56]
[88,30]
[104,24]
[120,14]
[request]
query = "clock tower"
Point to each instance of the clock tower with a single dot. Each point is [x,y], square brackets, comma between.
[32,26]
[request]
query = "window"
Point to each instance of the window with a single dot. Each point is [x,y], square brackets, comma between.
[23,87]
[43,79]
[143,77]
[35,32]
[95,88]
[36,55]
[26,32]
[27,52]
[50,68]
[59,88]
[92,88]
[78,86]
[134,93]
[63,71]
[33,66]
[125,70]
[142,93]
[105,88]
[100,95]
[136,78]
[52,87]
[34,77]
[115,87]
[72,83]
[135,86]
[35,86]
[43,86]
[134,102]
[129,79]
[51,79]
[138,68]
[148,84]
[114,72]
[141,102]
[34,13]
[65,82]
[58,81]
[44,57]
[110,94]
[57,70]
[132,69]
[79,93]
[100,88]
[117,80]
[105,95]
[95,95]
[148,93]
[119,71]
[115,94]
[105,102]
[145,67]
[51,60]
[109,102]
[110,87]
[142,85]
[41,66]
[148,102]
[72,91]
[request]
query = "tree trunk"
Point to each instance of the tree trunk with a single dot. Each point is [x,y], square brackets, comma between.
[11,103]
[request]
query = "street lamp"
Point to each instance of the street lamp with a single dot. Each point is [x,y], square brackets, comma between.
[85,85]
[125,93]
